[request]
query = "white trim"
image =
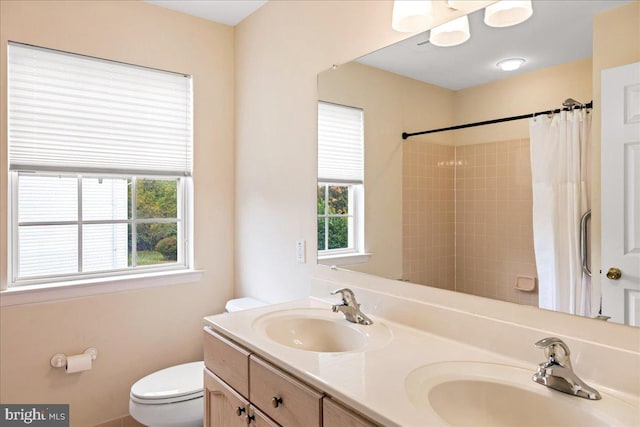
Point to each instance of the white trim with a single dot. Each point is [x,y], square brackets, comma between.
[344,258]
[105,285]
[183,201]
[355,216]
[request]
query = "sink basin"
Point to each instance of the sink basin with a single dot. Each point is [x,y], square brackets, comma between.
[487,394]
[320,330]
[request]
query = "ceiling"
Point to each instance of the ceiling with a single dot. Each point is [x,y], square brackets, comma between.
[559,31]
[228,12]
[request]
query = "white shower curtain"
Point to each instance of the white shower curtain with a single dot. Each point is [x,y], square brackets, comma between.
[560,167]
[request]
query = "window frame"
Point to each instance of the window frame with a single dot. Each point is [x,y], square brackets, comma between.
[351,215]
[355,252]
[182,221]
[180,166]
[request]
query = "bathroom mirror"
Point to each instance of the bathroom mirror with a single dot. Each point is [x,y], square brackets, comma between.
[450,209]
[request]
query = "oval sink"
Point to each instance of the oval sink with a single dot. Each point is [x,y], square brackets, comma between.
[320,330]
[487,394]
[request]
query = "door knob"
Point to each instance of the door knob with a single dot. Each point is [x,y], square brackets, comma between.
[614,273]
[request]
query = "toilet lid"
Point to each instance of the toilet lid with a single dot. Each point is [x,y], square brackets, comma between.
[174,384]
[244,303]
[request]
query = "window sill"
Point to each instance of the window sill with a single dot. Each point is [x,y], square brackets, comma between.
[82,288]
[344,259]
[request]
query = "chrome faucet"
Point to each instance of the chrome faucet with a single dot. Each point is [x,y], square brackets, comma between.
[350,307]
[557,372]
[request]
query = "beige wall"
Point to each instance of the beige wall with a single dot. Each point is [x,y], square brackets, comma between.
[616,42]
[280,50]
[141,331]
[391,104]
[526,93]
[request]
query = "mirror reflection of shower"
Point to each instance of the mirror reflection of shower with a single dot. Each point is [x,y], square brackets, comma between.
[454,209]
[560,165]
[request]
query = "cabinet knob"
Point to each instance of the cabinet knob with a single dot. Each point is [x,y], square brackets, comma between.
[614,273]
[276,401]
[249,418]
[240,410]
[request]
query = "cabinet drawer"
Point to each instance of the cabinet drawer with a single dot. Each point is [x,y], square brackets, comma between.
[227,360]
[285,399]
[336,415]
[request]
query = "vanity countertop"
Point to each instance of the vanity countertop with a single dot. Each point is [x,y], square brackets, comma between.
[373,381]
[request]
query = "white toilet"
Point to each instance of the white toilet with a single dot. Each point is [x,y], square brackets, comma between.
[172,397]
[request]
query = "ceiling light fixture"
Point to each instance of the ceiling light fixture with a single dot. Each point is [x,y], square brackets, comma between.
[466,4]
[410,16]
[510,64]
[452,33]
[506,13]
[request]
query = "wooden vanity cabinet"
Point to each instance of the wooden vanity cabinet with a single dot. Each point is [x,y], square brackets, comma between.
[261,420]
[241,389]
[336,415]
[227,360]
[222,405]
[286,400]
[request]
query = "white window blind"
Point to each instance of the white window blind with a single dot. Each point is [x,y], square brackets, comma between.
[340,143]
[70,112]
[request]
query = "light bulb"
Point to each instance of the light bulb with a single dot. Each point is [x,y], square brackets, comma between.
[410,16]
[466,4]
[510,64]
[506,13]
[452,33]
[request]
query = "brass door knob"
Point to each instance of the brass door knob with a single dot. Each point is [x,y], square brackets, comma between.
[614,273]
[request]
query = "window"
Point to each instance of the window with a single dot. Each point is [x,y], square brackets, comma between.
[335,217]
[100,167]
[340,198]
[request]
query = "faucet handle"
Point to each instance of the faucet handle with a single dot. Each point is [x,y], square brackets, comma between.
[348,297]
[550,346]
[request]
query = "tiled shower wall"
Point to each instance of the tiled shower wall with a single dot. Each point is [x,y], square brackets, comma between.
[428,214]
[467,222]
[494,231]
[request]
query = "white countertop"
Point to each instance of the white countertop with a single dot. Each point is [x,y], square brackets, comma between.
[372,381]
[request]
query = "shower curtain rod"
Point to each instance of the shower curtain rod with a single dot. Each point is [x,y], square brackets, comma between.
[406,135]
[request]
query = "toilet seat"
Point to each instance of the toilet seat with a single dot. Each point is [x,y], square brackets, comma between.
[171,385]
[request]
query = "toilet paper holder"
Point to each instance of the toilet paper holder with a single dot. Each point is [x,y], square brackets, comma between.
[59,360]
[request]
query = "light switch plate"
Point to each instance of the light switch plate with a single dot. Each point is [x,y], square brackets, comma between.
[301,252]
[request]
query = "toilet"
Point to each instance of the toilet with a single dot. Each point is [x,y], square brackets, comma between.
[173,396]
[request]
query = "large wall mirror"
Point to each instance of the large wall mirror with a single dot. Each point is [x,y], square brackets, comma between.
[455,209]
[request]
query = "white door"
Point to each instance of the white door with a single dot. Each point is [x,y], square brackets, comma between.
[621,193]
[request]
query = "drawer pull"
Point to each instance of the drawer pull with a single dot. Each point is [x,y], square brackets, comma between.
[249,419]
[276,401]
[240,410]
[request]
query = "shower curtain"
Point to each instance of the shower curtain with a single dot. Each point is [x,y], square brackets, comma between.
[560,167]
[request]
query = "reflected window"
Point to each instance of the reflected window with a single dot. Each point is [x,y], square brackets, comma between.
[340,197]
